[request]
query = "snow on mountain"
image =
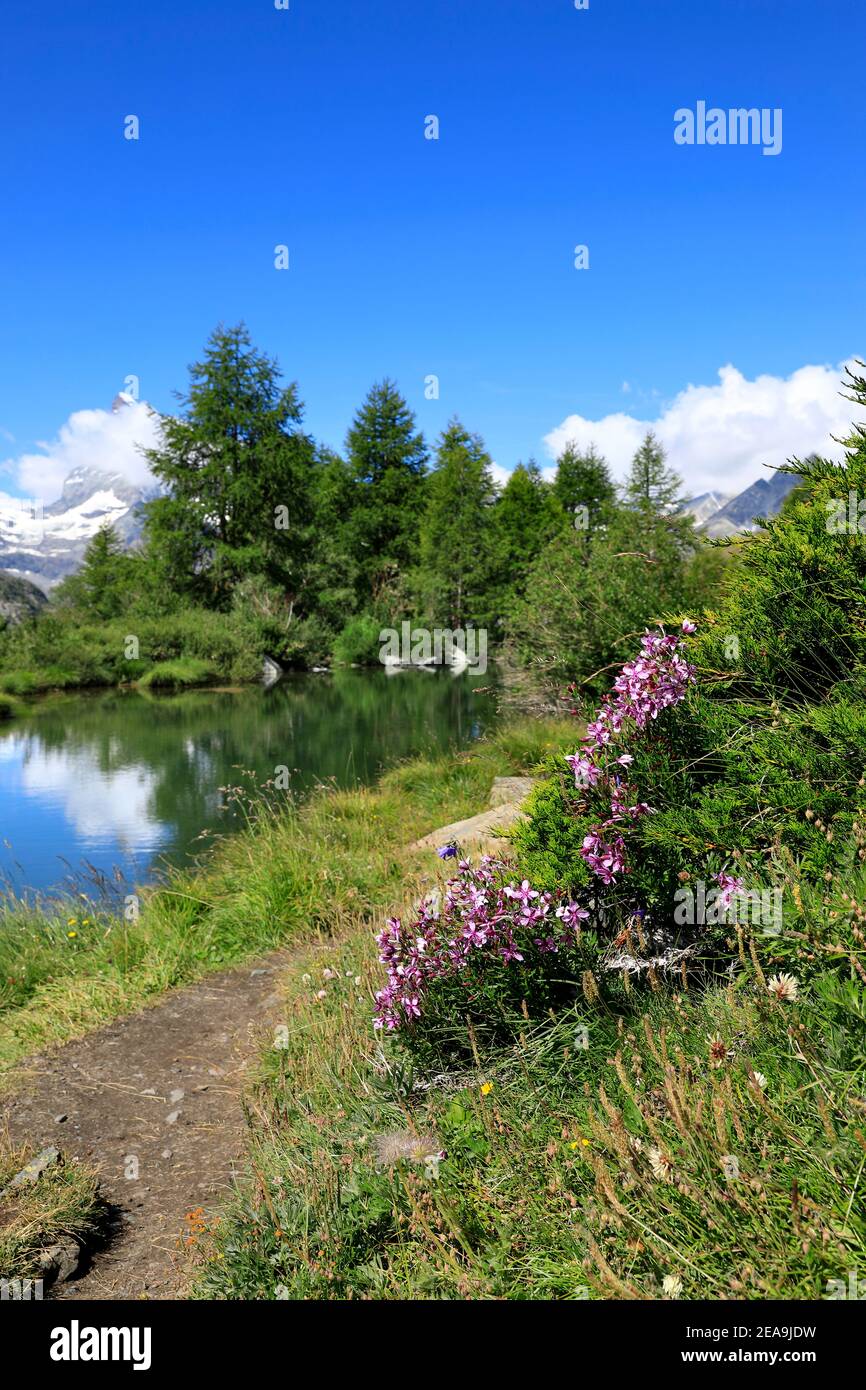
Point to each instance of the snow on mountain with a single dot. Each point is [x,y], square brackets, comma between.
[719,515]
[705,505]
[764,498]
[45,543]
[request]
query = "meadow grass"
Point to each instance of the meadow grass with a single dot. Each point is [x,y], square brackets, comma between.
[293,874]
[605,1151]
[180,674]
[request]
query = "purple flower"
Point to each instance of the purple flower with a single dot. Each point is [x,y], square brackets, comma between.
[447,851]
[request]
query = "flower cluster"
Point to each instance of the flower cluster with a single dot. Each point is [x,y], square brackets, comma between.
[644,688]
[480,911]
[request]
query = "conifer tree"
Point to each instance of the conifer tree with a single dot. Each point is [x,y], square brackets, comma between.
[583,480]
[455,547]
[237,467]
[652,487]
[388,461]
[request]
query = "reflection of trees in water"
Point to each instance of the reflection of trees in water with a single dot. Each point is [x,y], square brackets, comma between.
[343,727]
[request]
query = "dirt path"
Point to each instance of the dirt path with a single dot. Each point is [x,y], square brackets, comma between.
[152,1102]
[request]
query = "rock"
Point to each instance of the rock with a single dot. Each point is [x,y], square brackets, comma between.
[32,1171]
[172,1118]
[507,789]
[19,599]
[271,671]
[478,832]
[175,1096]
[59,1262]
[59,1119]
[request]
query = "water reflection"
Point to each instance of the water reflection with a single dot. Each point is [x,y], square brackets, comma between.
[126,780]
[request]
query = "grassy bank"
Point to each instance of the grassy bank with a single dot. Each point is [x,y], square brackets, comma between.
[61,651]
[294,874]
[60,1206]
[706,1142]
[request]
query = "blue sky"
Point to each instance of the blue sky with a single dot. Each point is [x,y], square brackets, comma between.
[454,257]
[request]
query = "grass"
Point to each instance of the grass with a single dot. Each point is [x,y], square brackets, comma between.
[295,874]
[595,1157]
[179,675]
[61,1203]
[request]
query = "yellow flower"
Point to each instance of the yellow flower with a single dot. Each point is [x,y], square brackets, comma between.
[85,921]
[71,921]
[573,1146]
[486,1088]
[72,933]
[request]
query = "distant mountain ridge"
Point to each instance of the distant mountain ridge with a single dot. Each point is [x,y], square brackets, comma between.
[763,498]
[45,549]
[19,599]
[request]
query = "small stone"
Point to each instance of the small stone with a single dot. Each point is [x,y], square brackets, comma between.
[172,1118]
[175,1096]
[166,1153]
[60,1261]
[58,1119]
[33,1170]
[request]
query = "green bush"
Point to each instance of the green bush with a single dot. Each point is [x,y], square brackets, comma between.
[768,750]
[359,643]
[19,682]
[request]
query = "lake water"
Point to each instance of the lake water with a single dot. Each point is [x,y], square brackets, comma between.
[121,782]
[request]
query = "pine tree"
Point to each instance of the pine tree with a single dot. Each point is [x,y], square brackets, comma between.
[524,520]
[237,467]
[455,544]
[583,480]
[388,462]
[652,487]
[102,586]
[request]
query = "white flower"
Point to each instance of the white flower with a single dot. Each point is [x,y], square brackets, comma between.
[672,1285]
[328,974]
[661,1165]
[760,1080]
[784,987]
[306,979]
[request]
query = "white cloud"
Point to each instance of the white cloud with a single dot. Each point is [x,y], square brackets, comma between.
[720,437]
[103,439]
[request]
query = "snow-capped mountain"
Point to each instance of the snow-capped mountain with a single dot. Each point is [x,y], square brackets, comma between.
[705,505]
[718,515]
[45,543]
[763,498]
[45,547]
